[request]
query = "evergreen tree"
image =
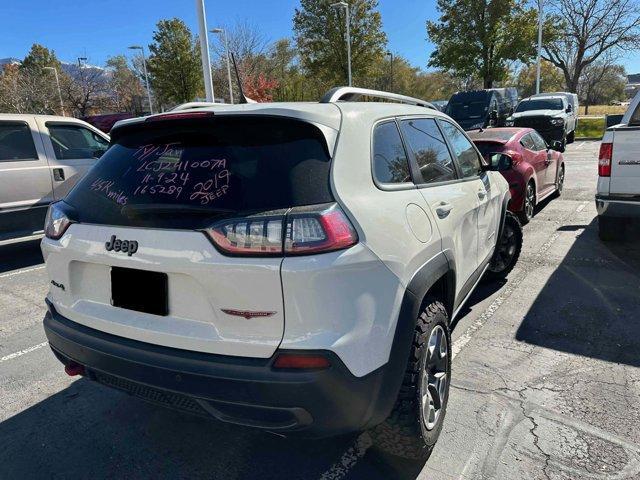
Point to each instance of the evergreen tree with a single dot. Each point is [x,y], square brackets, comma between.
[174,64]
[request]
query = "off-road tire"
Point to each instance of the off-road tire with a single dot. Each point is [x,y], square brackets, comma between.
[404,432]
[571,137]
[497,270]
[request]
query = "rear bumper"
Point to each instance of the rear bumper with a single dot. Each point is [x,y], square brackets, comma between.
[618,207]
[238,390]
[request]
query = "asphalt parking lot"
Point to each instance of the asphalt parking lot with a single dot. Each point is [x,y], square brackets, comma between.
[546,379]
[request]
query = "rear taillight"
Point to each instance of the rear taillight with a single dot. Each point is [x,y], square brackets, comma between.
[56,221]
[604,159]
[302,230]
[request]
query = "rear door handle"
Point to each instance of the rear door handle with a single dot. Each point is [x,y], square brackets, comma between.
[444,209]
[58,174]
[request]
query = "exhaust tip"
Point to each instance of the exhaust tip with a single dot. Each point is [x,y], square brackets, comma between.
[74,369]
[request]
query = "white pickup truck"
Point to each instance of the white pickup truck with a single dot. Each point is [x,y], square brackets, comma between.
[618,192]
[41,158]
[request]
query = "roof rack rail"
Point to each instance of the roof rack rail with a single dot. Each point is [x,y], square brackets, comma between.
[353,93]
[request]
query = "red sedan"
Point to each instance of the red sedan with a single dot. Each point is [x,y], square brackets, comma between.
[536,172]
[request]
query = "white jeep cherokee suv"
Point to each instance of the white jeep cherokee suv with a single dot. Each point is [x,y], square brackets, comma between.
[618,192]
[293,267]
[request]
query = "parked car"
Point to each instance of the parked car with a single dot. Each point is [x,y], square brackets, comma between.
[482,108]
[107,121]
[440,104]
[41,158]
[618,192]
[175,261]
[552,115]
[533,169]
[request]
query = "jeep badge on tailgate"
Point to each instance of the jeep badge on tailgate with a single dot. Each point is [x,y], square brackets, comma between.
[127,246]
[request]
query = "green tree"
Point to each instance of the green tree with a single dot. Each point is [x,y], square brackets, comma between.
[320,32]
[125,87]
[551,79]
[40,57]
[481,37]
[174,63]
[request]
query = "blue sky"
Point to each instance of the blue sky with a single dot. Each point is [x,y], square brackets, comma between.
[99,29]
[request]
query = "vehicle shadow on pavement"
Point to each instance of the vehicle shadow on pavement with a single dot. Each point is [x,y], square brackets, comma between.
[590,305]
[90,431]
[20,255]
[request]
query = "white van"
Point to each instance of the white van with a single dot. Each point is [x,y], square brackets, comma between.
[41,158]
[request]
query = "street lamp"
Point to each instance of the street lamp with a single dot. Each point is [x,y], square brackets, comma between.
[345,5]
[226,48]
[539,45]
[204,51]
[391,69]
[55,72]
[146,77]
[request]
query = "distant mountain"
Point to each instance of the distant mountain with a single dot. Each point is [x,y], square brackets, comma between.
[70,69]
[12,60]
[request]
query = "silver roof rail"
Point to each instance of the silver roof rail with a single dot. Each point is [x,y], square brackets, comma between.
[351,94]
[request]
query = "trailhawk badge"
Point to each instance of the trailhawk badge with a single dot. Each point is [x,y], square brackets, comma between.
[126,246]
[248,314]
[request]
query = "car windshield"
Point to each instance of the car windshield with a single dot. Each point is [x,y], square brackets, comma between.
[463,110]
[488,148]
[204,168]
[540,104]
[492,134]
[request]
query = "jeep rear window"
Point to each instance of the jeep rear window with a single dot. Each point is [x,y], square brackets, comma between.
[183,173]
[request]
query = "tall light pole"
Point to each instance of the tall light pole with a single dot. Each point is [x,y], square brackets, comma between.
[539,45]
[345,5]
[226,49]
[391,69]
[146,77]
[55,72]
[204,51]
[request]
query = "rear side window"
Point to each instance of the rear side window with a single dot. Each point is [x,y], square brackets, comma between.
[463,149]
[430,149]
[16,142]
[183,173]
[527,142]
[73,142]
[538,142]
[635,118]
[390,163]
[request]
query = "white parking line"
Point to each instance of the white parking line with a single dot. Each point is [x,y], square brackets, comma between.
[11,356]
[19,272]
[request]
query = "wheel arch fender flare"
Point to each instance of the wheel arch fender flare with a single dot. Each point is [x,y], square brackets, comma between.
[433,272]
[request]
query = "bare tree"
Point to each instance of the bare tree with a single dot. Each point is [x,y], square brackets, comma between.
[601,82]
[589,30]
[86,90]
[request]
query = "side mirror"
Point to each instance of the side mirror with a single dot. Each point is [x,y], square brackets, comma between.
[569,109]
[557,146]
[500,162]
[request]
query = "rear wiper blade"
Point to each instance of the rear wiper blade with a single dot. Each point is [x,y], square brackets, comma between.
[143,209]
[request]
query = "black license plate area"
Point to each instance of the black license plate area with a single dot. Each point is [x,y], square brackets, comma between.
[140,290]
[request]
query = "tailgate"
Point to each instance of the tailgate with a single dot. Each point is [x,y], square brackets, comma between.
[201,283]
[625,164]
